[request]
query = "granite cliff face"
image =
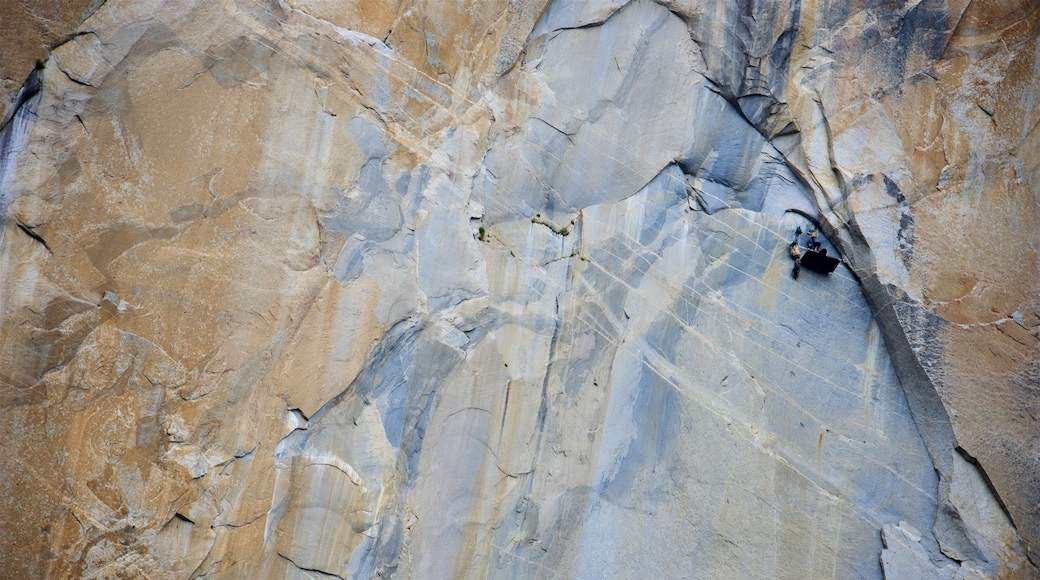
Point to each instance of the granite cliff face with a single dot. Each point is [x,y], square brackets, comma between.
[501,289]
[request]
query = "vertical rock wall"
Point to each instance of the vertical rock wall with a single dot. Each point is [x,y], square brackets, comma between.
[31,28]
[305,288]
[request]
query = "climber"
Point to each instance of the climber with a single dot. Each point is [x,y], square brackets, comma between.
[795,255]
[813,244]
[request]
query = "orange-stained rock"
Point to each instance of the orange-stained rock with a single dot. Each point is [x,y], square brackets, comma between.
[470,289]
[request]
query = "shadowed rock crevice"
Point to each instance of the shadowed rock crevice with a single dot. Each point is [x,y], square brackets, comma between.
[503,289]
[930,38]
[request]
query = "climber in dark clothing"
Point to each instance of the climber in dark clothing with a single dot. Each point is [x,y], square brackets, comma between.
[795,255]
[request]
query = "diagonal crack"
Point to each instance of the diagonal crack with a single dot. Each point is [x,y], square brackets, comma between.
[322,573]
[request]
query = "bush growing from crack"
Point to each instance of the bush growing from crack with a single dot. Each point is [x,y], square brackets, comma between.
[563,231]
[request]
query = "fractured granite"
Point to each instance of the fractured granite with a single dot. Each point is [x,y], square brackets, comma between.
[501,289]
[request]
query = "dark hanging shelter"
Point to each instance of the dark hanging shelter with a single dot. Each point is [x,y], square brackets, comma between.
[818,262]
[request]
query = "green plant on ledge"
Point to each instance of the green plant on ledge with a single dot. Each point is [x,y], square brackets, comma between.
[562,230]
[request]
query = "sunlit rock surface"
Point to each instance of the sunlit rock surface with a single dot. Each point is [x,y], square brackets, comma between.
[30,29]
[502,289]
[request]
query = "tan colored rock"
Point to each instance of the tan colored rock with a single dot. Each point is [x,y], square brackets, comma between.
[970,201]
[31,29]
[502,289]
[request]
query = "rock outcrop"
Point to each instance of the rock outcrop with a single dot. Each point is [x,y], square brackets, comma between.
[330,288]
[31,29]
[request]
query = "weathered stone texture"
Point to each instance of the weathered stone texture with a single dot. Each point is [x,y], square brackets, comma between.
[31,28]
[502,289]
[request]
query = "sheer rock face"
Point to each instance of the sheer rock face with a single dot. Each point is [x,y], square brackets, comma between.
[503,289]
[31,28]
